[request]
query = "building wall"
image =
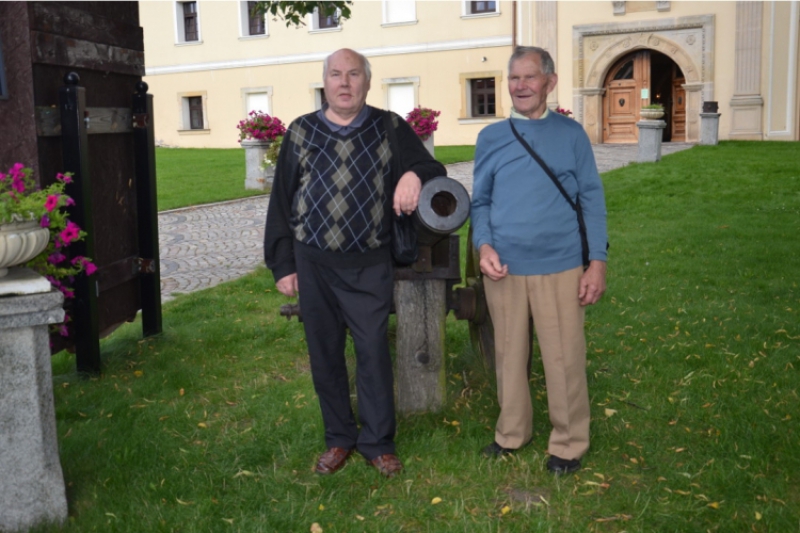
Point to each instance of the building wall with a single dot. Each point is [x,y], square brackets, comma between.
[745,53]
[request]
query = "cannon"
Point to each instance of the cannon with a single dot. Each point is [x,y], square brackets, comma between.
[426,291]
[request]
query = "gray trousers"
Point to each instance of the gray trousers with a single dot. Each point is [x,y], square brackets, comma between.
[333,300]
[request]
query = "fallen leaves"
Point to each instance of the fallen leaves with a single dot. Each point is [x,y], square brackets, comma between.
[436,501]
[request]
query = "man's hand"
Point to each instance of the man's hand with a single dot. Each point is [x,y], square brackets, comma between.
[593,283]
[287,285]
[490,263]
[406,194]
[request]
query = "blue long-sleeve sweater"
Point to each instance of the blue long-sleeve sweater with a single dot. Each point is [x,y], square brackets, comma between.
[518,210]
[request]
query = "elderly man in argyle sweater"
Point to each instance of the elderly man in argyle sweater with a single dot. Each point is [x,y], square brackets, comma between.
[327,239]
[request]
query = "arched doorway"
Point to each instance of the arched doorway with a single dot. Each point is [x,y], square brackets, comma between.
[635,80]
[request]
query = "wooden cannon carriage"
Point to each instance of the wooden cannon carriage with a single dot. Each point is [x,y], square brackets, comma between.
[426,291]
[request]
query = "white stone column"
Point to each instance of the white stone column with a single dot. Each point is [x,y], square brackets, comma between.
[650,134]
[747,103]
[591,113]
[546,37]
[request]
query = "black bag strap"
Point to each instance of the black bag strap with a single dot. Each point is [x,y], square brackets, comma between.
[574,204]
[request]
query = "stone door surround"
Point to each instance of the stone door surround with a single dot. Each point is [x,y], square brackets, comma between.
[688,41]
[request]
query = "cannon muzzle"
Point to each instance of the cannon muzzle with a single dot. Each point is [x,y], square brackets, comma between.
[443,208]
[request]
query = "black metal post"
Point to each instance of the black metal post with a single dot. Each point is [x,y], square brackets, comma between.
[147,208]
[75,146]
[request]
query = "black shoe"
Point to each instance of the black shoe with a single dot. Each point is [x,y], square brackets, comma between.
[560,466]
[495,450]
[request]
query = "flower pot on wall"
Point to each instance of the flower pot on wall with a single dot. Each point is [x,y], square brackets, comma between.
[651,114]
[20,242]
[256,176]
[429,144]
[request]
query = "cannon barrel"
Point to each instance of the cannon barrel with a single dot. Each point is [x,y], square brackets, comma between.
[443,208]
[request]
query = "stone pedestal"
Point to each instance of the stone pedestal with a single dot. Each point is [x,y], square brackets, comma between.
[31,482]
[257,177]
[429,145]
[650,134]
[709,128]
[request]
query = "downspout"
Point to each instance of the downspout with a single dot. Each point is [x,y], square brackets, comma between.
[513,25]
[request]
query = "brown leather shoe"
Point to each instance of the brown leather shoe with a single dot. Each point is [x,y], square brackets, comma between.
[387,464]
[332,460]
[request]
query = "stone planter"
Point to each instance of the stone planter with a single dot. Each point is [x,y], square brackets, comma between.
[429,144]
[257,177]
[20,242]
[651,114]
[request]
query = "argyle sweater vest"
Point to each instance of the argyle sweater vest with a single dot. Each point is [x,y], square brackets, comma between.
[341,203]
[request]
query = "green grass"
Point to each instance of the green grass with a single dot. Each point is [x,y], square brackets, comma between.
[693,373]
[447,155]
[194,176]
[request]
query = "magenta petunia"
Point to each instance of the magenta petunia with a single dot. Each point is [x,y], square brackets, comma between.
[51,203]
[70,233]
[56,258]
[45,222]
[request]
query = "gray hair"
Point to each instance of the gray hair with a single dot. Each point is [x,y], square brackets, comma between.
[548,67]
[364,62]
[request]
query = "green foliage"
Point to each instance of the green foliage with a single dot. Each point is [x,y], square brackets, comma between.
[693,360]
[293,13]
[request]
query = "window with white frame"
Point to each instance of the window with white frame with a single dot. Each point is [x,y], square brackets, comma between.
[399,12]
[187,22]
[317,95]
[322,20]
[251,23]
[401,96]
[480,8]
[257,99]
[193,111]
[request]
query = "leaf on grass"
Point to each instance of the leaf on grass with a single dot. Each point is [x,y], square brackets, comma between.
[505,510]
[359,517]
[682,492]
[610,412]
[138,373]
[202,425]
[245,473]
[437,500]
[228,520]
[679,450]
[315,528]
[713,505]
[758,516]
[183,502]
[321,507]
[181,393]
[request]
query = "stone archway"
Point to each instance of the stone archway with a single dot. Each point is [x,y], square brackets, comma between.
[688,41]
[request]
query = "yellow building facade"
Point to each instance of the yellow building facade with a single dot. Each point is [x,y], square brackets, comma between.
[209,63]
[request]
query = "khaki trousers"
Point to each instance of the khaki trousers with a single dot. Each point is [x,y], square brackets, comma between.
[558,320]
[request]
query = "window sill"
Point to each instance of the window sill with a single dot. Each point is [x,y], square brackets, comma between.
[325,30]
[479,15]
[395,24]
[194,132]
[480,120]
[254,37]
[189,43]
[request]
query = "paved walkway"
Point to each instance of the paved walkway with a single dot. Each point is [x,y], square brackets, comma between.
[206,245]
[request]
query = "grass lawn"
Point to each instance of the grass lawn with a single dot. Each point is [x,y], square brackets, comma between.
[694,355]
[194,176]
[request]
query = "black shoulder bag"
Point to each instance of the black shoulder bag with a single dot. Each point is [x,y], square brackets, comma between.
[575,205]
[405,250]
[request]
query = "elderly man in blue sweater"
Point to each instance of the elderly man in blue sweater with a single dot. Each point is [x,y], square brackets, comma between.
[532,257]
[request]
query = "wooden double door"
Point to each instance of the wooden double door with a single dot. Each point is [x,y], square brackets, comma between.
[638,79]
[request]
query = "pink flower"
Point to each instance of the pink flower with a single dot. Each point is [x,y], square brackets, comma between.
[70,233]
[64,177]
[56,258]
[51,203]
[45,222]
